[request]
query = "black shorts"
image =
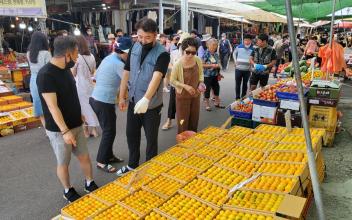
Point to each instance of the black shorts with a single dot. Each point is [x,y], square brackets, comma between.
[261,78]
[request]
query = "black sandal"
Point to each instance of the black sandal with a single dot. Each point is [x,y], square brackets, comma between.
[115,159]
[219,106]
[107,168]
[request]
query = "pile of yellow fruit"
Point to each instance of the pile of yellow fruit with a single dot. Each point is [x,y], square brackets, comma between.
[137,184]
[204,137]
[240,215]
[256,200]
[193,143]
[143,201]
[154,169]
[200,163]
[116,212]
[240,130]
[155,216]
[223,144]
[313,131]
[290,146]
[238,164]
[234,137]
[185,208]
[247,153]
[215,131]
[29,111]
[84,207]
[272,129]
[299,139]
[183,173]
[257,144]
[18,115]
[168,159]
[164,185]
[265,136]
[281,168]
[272,183]
[211,152]
[223,176]
[111,193]
[207,191]
[5,119]
[287,156]
[180,151]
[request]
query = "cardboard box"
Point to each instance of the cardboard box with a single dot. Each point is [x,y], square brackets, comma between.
[290,104]
[264,114]
[324,102]
[296,118]
[329,93]
[323,117]
[291,207]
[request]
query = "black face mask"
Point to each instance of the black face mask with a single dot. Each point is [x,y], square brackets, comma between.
[148,46]
[70,64]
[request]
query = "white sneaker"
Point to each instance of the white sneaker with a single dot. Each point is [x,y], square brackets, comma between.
[166,89]
[123,170]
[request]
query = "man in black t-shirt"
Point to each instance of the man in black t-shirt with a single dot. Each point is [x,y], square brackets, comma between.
[263,58]
[62,113]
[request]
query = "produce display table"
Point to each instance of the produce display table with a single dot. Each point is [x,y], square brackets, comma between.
[216,174]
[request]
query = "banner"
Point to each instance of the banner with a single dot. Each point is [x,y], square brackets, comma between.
[23,8]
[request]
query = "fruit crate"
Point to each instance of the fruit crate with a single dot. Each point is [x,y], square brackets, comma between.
[323,102]
[289,95]
[201,208]
[297,186]
[315,92]
[179,150]
[231,211]
[231,137]
[239,114]
[271,129]
[198,162]
[239,196]
[168,159]
[240,130]
[330,137]
[19,117]
[265,103]
[210,152]
[87,205]
[323,117]
[293,147]
[120,208]
[125,181]
[213,131]
[182,173]
[225,145]
[229,160]
[163,214]
[142,202]
[248,123]
[159,186]
[297,157]
[317,141]
[248,153]
[302,175]
[239,177]
[153,168]
[255,144]
[267,137]
[110,193]
[12,99]
[3,102]
[204,137]
[193,143]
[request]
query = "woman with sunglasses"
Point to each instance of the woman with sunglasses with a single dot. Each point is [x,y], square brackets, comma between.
[187,77]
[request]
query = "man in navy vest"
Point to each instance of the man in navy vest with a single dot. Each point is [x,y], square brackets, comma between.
[145,69]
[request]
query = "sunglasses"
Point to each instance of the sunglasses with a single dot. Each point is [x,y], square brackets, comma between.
[190,52]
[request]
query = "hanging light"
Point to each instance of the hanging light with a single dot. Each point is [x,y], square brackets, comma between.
[22,25]
[12,26]
[77,32]
[108,6]
[103,5]
[104,8]
[17,18]
[30,28]
[35,19]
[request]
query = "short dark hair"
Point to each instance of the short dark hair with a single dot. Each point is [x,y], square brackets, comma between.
[82,45]
[118,30]
[147,25]
[62,44]
[263,37]
[38,42]
[162,35]
[189,42]
[194,31]
[61,32]
[247,36]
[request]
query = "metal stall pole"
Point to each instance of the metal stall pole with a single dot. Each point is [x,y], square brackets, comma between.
[242,29]
[161,17]
[310,152]
[184,15]
[332,31]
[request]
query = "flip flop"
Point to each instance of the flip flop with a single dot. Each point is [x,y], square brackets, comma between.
[115,159]
[107,168]
[208,109]
[166,127]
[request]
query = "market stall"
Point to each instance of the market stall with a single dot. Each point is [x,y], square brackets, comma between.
[216,174]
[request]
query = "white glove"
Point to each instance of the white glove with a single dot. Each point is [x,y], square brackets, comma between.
[141,106]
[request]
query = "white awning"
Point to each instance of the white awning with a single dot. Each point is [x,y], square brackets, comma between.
[343,12]
[222,15]
[321,23]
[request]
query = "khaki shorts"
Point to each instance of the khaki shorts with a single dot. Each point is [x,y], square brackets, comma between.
[62,150]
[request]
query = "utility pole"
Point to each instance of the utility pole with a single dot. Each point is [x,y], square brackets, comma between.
[184,15]
[161,17]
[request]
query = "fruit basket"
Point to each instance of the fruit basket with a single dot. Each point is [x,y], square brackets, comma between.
[211,153]
[185,207]
[83,208]
[116,212]
[255,201]
[247,153]
[198,162]
[168,159]
[111,193]
[182,173]
[241,109]
[206,192]
[142,202]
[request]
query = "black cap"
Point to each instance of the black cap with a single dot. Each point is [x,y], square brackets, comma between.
[263,37]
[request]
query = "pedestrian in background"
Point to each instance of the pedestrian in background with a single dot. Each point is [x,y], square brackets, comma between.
[83,71]
[187,77]
[224,50]
[38,55]
[211,65]
[103,101]
[241,57]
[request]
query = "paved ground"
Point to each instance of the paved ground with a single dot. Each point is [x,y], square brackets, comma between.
[29,188]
